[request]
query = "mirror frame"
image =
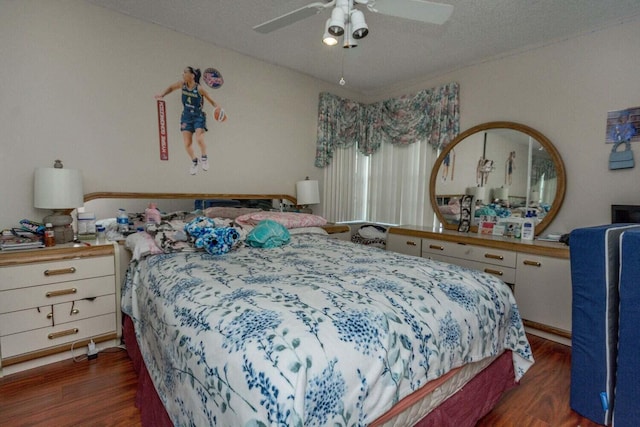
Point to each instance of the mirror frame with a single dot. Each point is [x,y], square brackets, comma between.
[543,140]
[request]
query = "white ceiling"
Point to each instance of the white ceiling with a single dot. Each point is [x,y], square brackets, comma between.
[396,50]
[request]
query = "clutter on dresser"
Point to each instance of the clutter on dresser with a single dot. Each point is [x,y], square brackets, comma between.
[49,238]
[86,226]
[14,239]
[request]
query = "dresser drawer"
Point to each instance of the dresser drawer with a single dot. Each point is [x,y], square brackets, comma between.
[52,315]
[15,344]
[19,276]
[544,290]
[506,274]
[403,244]
[25,320]
[469,252]
[82,309]
[36,296]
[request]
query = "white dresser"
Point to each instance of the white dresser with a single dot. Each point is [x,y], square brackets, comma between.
[55,299]
[338,231]
[538,272]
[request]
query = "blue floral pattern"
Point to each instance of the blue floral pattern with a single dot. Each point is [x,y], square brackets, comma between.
[317,332]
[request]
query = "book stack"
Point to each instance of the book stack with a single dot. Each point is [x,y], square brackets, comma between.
[19,239]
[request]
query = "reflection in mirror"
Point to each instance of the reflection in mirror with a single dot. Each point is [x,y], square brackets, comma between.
[510,169]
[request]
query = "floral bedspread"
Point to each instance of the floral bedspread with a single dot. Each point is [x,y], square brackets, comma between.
[317,332]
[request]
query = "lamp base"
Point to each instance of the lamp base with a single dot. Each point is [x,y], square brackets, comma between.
[62,229]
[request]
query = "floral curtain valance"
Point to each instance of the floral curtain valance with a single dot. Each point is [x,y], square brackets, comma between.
[431,115]
[340,125]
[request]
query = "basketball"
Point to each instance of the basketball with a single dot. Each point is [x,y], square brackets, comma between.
[219,114]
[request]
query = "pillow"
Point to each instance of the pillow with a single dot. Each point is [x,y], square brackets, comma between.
[288,219]
[228,212]
[268,234]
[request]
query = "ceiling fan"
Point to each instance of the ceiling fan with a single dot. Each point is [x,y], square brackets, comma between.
[345,13]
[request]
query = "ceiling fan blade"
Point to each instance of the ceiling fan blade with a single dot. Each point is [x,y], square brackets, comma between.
[417,10]
[291,17]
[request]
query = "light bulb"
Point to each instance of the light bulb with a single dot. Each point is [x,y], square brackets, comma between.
[342,81]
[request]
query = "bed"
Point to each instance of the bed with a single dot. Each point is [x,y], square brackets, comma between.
[318,331]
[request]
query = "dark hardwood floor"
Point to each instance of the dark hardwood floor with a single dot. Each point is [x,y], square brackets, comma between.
[101,392]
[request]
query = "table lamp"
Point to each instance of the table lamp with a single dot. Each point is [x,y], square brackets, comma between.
[307,193]
[60,190]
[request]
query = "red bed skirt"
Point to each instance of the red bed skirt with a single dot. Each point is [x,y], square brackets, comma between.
[464,408]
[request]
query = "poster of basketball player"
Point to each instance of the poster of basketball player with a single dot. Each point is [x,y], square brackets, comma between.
[193,120]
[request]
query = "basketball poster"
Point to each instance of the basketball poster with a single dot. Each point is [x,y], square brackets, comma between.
[162,130]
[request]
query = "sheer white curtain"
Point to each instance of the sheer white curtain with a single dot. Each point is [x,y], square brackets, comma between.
[399,184]
[345,186]
[390,186]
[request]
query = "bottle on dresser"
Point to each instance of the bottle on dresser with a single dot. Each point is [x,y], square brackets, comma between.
[123,221]
[528,228]
[49,235]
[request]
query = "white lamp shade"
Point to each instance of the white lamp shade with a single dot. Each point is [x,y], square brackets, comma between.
[501,193]
[55,188]
[477,192]
[307,192]
[336,23]
[359,28]
[328,38]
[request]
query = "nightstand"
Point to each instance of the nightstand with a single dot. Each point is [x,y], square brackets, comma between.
[338,231]
[53,300]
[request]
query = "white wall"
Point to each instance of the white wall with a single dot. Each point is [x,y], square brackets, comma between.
[77,83]
[563,90]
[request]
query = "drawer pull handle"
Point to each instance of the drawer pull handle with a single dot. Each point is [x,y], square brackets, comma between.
[69,270]
[75,311]
[491,271]
[60,334]
[411,243]
[61,292]
[438,247]
[532,263]
[50,316]
[494,256]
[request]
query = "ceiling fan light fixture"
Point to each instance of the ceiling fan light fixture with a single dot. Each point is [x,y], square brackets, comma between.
[359,25]
[337,22]
[349,41]
[327,38]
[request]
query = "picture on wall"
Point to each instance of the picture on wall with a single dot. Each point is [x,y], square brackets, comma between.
[193,120]
[623,125]
[213,78]
[622,129]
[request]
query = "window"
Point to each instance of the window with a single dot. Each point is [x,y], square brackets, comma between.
[390,186]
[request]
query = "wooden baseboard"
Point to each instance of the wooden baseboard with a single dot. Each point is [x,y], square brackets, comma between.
[547,328]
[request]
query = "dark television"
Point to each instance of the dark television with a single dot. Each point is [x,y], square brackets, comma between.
[625,214]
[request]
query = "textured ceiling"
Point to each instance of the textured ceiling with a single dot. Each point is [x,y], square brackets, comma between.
[396,50]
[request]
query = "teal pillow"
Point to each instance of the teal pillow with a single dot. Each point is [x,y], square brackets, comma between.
[268,234]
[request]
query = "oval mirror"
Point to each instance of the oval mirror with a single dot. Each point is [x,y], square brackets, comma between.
[509,168]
